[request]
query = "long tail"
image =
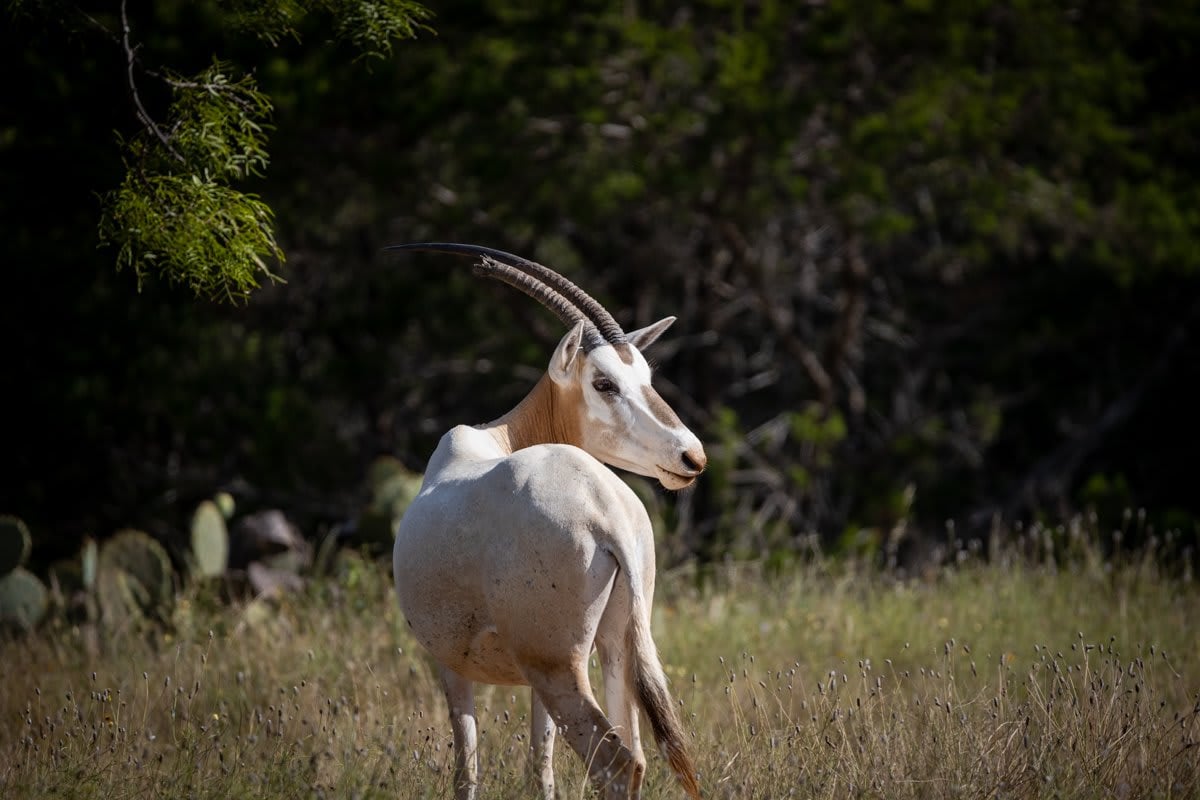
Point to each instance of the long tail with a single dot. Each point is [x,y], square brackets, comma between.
[650,687]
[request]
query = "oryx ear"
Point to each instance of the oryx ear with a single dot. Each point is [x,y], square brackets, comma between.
[644,337]
[564,355]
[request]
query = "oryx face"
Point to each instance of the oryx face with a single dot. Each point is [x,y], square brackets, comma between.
[624,421]
[604,401]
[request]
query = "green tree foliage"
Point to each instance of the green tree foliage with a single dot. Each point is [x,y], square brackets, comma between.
[913,214]
[175,213]
[178,214]
[931,259]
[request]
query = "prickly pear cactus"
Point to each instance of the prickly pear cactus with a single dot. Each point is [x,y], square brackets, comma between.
[23,599]
[89,563]
[15,543]
[133,579]
[210,541]
[392,488]
[225,502]
[89,606]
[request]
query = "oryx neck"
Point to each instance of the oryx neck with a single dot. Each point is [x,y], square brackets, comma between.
[546,415]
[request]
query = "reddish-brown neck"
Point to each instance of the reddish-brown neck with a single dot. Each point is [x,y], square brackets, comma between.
[548,414]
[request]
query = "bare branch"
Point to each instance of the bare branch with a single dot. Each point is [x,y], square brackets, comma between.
[142,114]
[100,25]
[766,296]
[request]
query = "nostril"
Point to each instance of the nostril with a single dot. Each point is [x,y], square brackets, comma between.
[693,462]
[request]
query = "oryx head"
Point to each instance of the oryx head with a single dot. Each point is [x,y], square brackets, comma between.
[600,374]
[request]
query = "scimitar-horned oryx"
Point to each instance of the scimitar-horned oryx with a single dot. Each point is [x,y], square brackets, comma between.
[522,551]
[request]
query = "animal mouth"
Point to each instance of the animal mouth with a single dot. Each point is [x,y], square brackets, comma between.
[675,480]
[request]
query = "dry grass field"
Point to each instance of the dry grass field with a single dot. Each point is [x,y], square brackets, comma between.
[1006,677]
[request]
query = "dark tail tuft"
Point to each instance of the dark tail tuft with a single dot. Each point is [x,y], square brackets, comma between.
[650,686]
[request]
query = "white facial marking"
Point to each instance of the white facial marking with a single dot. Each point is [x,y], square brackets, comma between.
[627,424]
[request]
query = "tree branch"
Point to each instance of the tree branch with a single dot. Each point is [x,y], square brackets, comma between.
[766,296]
[142,114]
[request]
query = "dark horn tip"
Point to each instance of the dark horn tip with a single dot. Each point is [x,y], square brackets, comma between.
[419,246]
[458,248]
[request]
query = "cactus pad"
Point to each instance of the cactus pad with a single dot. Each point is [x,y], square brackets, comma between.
[225,503]
[392,488]
[23,599]
[123,600]
[15,543]
[89,559]
[210,541]
[134,575]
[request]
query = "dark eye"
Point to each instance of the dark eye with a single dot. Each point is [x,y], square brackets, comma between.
[604,386]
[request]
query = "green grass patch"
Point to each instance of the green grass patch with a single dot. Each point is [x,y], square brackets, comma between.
[1006,678]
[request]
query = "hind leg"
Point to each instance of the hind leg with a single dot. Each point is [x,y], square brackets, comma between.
[610,764]
[460,697]
[541,746]
[619,702]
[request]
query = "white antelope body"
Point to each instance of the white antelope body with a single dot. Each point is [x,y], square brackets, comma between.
[522,551]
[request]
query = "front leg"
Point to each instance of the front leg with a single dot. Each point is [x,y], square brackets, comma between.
[541,746]
[460,697]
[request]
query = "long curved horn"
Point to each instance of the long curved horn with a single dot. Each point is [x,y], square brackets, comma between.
[593,312]
[566,311]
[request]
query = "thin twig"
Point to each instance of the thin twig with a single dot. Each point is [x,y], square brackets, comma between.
[100,25]
[768,298]
[143,115]
[232,91]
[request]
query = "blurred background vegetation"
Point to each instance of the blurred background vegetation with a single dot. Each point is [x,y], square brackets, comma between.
[933,261]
